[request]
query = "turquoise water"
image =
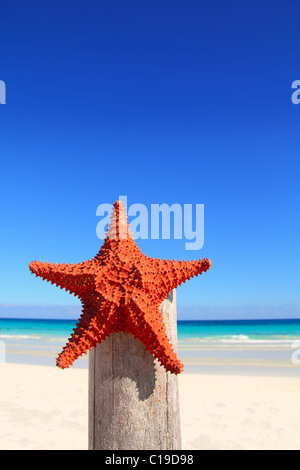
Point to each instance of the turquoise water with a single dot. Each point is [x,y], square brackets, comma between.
[260,346]
[250,331]
[46,330]
[201,331]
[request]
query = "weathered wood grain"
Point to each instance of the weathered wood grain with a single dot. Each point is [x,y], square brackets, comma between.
[133,401]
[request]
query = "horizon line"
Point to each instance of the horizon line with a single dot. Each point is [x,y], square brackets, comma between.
[178,320]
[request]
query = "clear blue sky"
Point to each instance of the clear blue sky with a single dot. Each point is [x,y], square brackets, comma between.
[165,102]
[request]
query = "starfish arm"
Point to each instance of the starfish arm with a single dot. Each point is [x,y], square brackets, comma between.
[170,274]
[150,329]
[91,329]
[76,278]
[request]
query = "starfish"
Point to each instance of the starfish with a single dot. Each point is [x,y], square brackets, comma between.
[121,289]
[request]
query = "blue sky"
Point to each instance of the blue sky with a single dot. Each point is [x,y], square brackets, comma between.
[165,102]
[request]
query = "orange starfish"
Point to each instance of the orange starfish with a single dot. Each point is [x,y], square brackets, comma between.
[121,289]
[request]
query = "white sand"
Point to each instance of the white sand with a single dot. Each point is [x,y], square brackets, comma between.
[46,408]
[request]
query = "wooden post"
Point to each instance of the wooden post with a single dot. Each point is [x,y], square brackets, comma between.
[133,401]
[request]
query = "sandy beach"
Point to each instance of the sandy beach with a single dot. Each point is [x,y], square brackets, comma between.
[46,408]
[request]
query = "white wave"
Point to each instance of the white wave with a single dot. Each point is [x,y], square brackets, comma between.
[236,339]
[261,341]
[43,338]
[20,337]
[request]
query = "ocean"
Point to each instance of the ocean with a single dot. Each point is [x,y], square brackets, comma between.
[245,346]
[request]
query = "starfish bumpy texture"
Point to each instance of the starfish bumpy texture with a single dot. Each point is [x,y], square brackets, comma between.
[121,289]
